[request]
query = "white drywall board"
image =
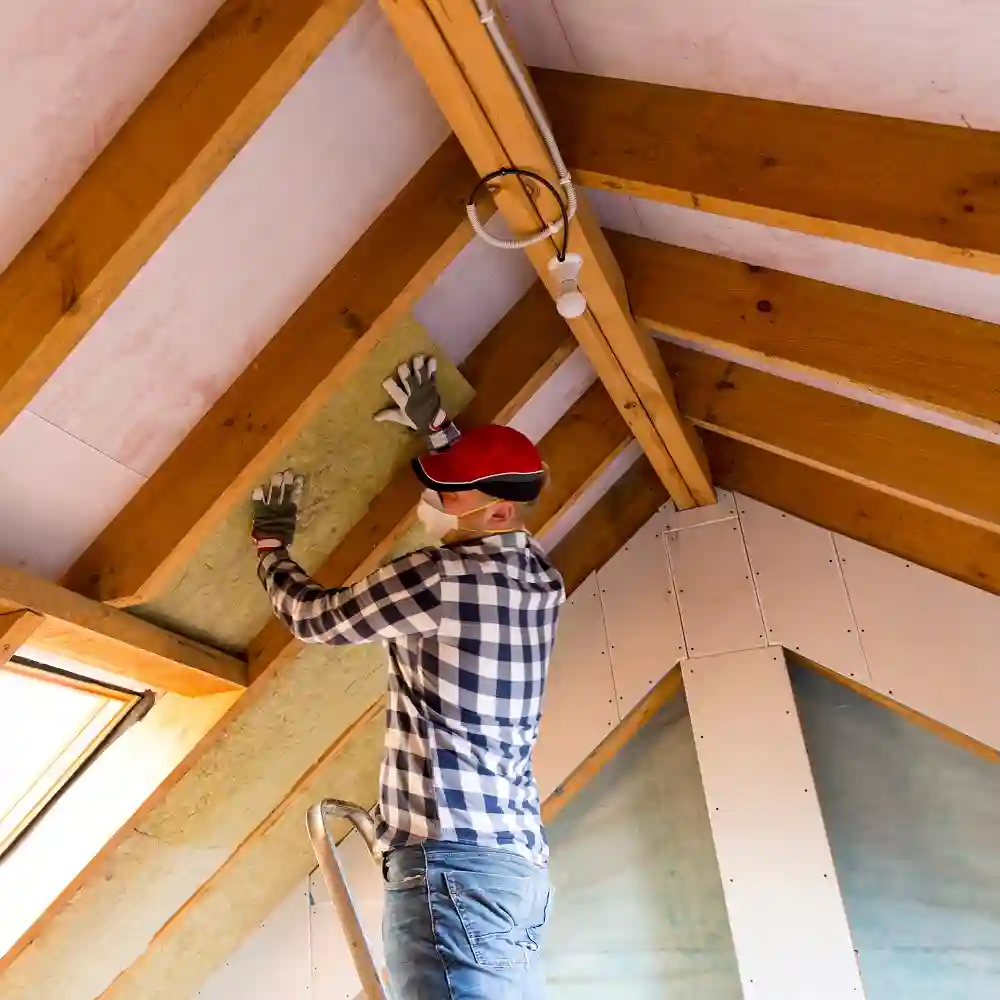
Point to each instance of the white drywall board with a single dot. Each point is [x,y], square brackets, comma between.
[724,508]
[639,910]
[539,36]
[56,495]
[718,603]
[570,517]
[273,962]
[332,972]
[932,643]
[73,73]
[785,909]
[615,210]
[580,700]
[942,54]
[801,588]
[288,207]
[642,622]
[472,294]
[559,392]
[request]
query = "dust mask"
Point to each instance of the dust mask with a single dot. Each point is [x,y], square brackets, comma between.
[437,520]
[433,517]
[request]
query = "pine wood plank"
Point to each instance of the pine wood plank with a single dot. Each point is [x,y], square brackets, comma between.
[917,354]
[928,465]
[16,628]
[460,64]
[927,537]
[85,630]
[182,136]
[925,190]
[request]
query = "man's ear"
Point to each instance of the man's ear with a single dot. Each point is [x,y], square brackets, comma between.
[502,512]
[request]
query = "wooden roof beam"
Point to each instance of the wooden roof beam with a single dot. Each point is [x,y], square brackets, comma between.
[318,348]
[179,140]
[958,549]
[924,190]
[923,464]
[917,355]
[460,64]
[71,625]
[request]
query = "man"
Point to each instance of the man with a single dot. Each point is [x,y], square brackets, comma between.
[469,627]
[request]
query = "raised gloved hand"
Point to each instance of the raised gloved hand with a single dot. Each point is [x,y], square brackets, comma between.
[418,404]
[275,511]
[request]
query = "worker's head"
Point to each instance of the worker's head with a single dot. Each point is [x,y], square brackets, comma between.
[483,484]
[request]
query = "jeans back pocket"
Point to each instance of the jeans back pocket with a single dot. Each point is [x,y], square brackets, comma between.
[495,912]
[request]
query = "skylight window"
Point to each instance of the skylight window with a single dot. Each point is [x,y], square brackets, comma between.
[52,723]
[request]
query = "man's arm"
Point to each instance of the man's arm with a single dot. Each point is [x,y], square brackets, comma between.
[402,598]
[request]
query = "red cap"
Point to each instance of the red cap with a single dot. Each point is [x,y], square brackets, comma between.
[499,461]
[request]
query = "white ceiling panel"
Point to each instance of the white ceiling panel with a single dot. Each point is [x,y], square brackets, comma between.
[71,72]
[538,33]
[559,392]
[472,294]
[932,60]
[56,494]
[334,154]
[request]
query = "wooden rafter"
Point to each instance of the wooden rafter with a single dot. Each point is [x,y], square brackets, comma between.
[69,624]
[967,552]
[149,176]
[920,355]
[585,440]
[899,484]
[230,448]
[927,465]
[16,628]
[454,54]
[925,190]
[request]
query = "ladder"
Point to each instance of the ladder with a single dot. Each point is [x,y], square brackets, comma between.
[336,883]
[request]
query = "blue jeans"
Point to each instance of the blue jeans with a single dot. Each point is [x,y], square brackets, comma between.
[463,923]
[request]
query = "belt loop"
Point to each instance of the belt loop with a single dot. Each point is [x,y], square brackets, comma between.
[385,867]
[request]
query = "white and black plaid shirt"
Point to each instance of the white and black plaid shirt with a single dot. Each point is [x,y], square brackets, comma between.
[469,629]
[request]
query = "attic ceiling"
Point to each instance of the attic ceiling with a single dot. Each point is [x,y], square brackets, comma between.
[319,170]
[334,237]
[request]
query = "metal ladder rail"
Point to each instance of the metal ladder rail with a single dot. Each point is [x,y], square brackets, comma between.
[336,883]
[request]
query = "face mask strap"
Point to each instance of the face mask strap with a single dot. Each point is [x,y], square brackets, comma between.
[438,504]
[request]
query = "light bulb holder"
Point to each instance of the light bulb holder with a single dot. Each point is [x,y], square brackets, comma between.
[570,301]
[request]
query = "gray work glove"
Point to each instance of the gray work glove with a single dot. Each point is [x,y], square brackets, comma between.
[418,404]
[275,511]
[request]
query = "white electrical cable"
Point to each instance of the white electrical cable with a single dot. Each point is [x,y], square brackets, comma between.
[488,17]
